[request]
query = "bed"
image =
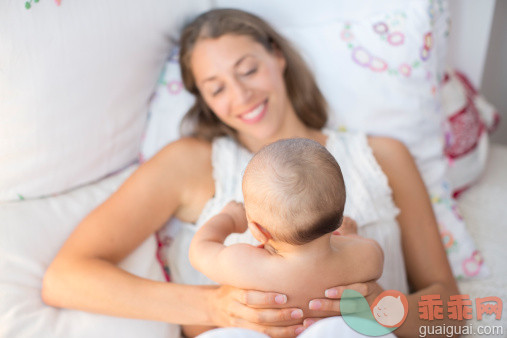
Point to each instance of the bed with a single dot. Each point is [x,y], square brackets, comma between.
[79,86]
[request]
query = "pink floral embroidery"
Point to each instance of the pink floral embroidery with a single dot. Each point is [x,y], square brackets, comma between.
[396,38]
[365,58]
[405,69]
[381,28]
[361,56]
[472,265]
[378,65]
[174,87]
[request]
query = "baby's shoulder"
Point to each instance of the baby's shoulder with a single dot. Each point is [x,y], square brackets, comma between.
[355,248]
[350,241]
[356,251]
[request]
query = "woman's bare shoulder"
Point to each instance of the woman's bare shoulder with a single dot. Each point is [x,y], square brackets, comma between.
[385,146]
[185,166]
[186,151]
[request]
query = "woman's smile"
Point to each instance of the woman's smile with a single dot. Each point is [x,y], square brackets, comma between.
[256,114]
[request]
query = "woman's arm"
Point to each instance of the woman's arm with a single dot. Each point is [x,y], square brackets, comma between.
[84,276]
[426,262]
[425,258]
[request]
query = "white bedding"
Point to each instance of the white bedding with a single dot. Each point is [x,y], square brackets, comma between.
[31,233]
[484,208]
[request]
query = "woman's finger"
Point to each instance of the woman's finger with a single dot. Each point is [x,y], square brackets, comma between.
[324,304]
[260,299]
[351,305]
[348,226]
[272,331]
[310,321]
[286,316]
[363,288]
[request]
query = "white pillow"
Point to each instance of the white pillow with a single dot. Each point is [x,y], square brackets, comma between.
[383,103]
[31,233]
[75,82]
[169,103]
[469,120]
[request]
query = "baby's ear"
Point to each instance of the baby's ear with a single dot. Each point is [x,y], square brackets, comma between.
[260,234]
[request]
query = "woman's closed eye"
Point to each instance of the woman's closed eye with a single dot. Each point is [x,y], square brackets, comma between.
[217,91]
[250,72]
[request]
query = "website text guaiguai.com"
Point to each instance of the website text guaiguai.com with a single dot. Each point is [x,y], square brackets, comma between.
[451,330]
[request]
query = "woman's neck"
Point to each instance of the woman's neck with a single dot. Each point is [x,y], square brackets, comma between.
[292,128]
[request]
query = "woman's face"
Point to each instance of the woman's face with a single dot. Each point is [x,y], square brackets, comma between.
[243,85]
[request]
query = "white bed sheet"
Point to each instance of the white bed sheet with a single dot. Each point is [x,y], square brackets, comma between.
[31,233]
[484,208]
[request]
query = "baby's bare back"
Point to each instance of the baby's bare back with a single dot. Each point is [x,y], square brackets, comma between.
[348,260]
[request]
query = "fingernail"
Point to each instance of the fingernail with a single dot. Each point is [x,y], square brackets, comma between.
[281,299]
[315,305]
[331,293]
[296,314]
[299,330]
[308,322]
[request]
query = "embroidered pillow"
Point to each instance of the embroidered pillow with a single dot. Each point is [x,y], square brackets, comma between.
[470,120]
[379,67]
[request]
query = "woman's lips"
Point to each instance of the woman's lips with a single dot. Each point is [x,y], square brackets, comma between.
[255,114]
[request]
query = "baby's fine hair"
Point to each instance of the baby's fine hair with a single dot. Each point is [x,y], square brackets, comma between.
[294,189]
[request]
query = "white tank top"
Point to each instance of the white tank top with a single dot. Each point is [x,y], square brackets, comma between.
[369,202]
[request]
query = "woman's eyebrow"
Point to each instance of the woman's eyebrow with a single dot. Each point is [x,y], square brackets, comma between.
[241,59]
[236,64]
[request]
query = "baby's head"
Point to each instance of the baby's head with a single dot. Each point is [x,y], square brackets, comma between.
[294,190]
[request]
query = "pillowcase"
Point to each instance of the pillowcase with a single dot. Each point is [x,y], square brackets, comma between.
[470,120]
[31,234]
[75,83]
[168,105]
[380,71]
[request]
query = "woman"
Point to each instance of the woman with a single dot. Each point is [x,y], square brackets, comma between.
[251,86]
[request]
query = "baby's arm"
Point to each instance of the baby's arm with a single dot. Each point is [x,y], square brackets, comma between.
[362,252]
[226,264]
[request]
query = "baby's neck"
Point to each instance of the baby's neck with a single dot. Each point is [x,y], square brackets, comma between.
[318,246]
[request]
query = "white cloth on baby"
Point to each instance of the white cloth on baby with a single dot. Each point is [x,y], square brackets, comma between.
[325,328]
[369,202]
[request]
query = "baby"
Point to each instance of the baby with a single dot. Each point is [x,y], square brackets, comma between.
[294,199]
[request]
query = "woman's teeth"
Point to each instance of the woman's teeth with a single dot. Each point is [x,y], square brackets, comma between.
[254,113]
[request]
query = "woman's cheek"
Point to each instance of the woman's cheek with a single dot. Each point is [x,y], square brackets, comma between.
[220,108]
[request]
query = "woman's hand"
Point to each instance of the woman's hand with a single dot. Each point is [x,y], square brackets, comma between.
[255,310]
[369,290]
[348,227]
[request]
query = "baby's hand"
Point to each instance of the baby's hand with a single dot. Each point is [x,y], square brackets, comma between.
[237,212]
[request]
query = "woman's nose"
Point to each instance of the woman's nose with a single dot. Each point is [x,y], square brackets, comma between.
[241,91]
